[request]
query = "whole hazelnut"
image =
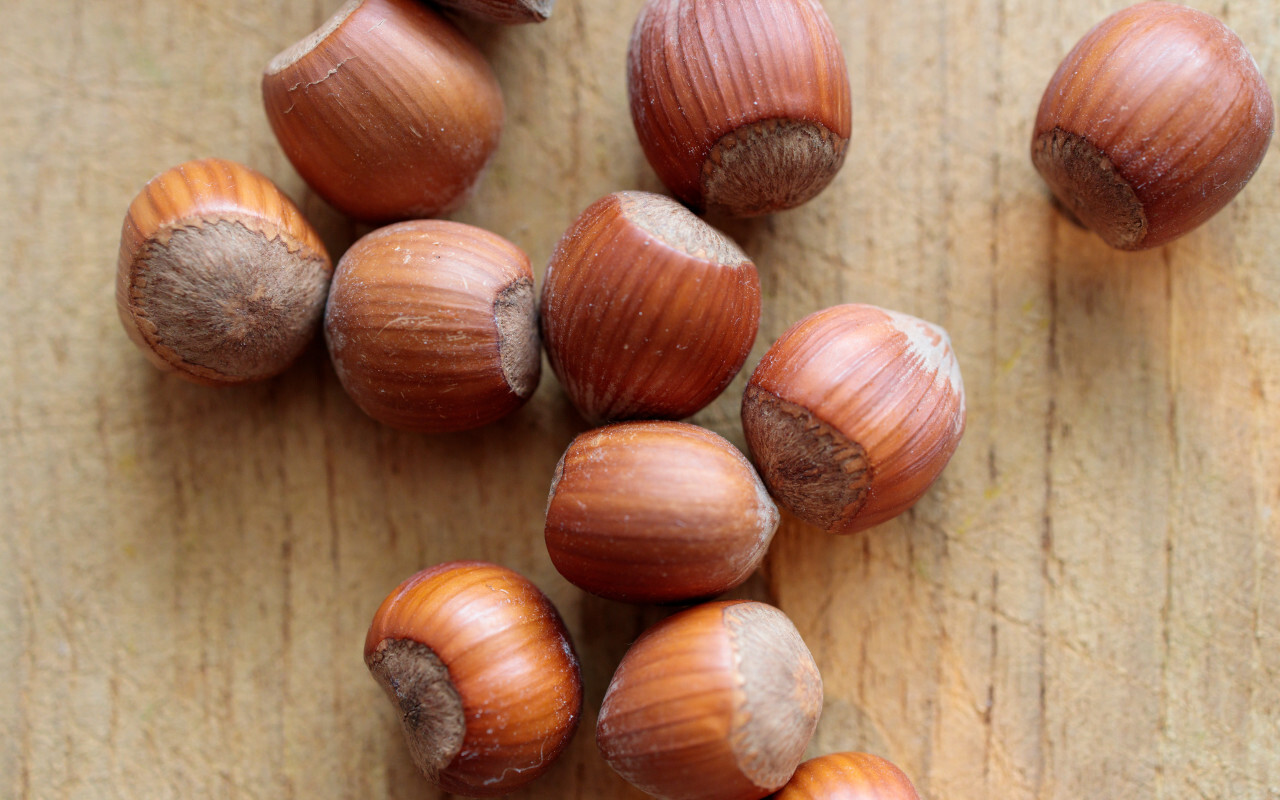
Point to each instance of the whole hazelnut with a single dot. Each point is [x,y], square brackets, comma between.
[220,279]
[483,673]
[743,107]
[1153,122]
[647,311]
[853,413]
[386,110]
[503,12]
[714,703]
[431,326]
[848,776]
[657,512]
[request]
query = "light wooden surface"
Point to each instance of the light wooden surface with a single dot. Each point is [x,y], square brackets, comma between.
[1086,605]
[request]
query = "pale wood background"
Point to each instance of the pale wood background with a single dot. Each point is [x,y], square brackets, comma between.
[1086,605]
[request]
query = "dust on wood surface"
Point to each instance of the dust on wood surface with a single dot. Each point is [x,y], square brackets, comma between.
[1086,605]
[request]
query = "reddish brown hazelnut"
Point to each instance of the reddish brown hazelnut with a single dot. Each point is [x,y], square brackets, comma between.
[386,110]
[657,512]
[742,107]
[852,415]
[848,776]
[1153,122]
[481,669]
[715,703]
[431,326]
[220,279]
[647,311]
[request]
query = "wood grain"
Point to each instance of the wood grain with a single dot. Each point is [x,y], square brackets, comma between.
[1086,604]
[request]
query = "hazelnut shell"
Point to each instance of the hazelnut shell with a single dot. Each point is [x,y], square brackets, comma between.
[220,279]
[432,327]
[647,311]
[1153,122]
[853,413]
[657,512]
[482,670]
[387,110]
[741,108]
[717,702]
[503,12]
[848,776]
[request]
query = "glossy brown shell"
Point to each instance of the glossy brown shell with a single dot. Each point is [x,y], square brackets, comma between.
[431,326]
[387,111]
[647,311]
[744,96]
[509,659]
[715,703]
[657,512]
[848,776]
[853,413]
[1153,122]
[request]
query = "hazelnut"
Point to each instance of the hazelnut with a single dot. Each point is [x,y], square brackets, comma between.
[853,413]
[848,776]
[1154,121]
[386,110]
[481,668]
[220,278]
[647,311]
[657,512]
[431,326]
[503,12]
[715,703]
[741,108]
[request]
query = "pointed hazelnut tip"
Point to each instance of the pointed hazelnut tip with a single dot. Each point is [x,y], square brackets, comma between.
[303,47]
[930,345]
[538,10]
[781,693]
[680,228]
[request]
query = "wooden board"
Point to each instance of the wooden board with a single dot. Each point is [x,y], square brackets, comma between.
[1086,605]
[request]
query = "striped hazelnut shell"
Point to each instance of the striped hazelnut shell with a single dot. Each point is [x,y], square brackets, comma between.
[848,776]
[647,311]
[1153,122]
[741,108]
[717,702]
[432,327]
[503,12]
[220,279]
[853,413]
[483,672]
[387,110]
[657,512]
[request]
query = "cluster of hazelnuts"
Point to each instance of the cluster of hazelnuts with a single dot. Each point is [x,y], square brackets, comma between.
[1154,121]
